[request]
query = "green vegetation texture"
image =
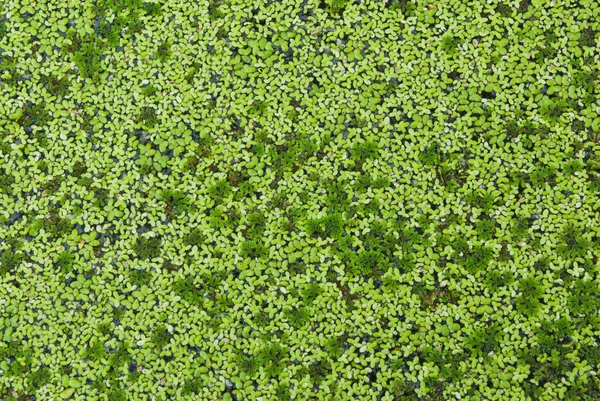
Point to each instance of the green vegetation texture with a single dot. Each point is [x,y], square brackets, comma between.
[299,200]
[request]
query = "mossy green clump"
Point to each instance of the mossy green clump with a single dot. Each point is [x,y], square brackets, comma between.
[88,59]
[161,336]
[147,247]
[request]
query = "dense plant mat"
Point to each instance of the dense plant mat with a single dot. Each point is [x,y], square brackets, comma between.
[285,200]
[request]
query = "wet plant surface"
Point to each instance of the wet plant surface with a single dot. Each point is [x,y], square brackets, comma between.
[299,200]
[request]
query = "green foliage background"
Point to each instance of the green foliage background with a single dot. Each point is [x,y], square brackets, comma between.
[336,200]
